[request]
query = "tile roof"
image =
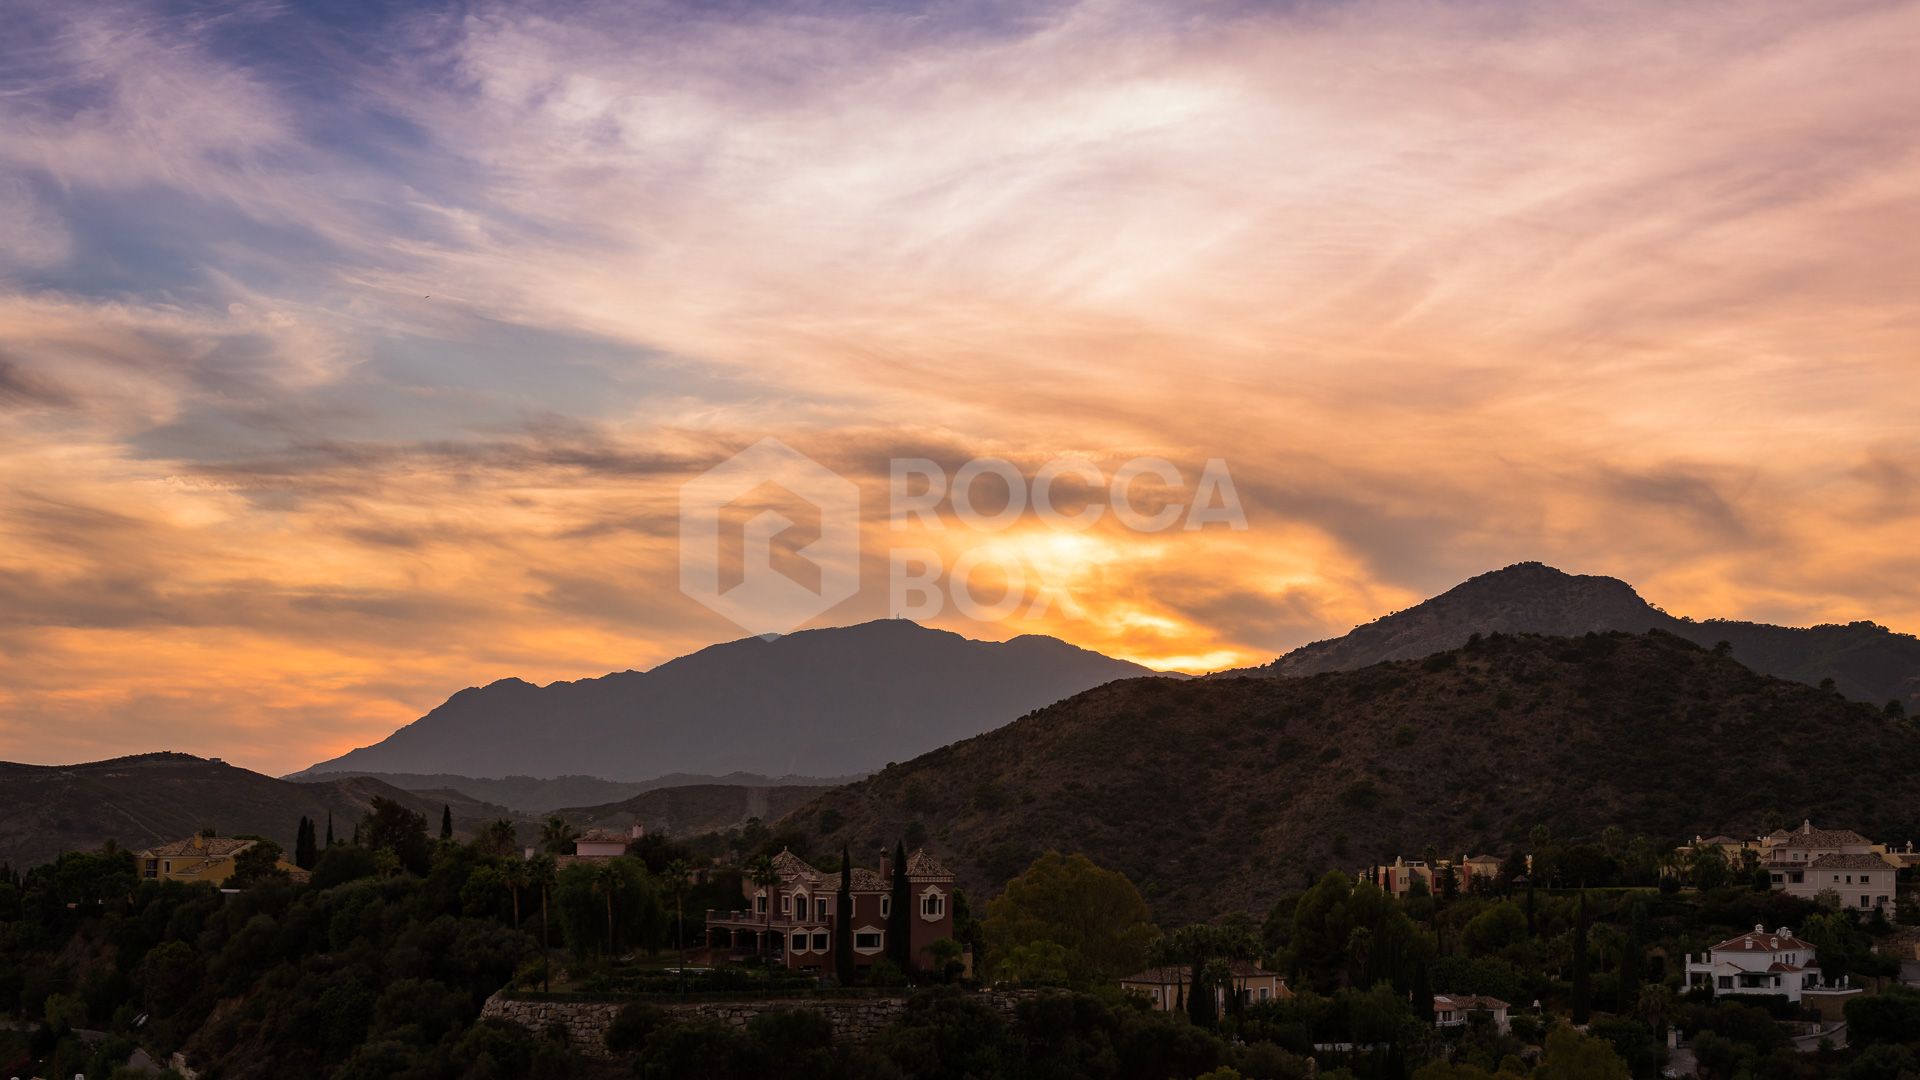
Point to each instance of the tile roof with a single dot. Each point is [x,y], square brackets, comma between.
[1806,836]
[921,864]
[1465,1002]
[1177,974]
[865,880]
[1849,862]
[789,865]
[211,847]
[600,836]
[1763,940]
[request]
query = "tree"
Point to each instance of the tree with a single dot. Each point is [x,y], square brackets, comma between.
[762,874]
[945,954]
[900,917]
[256,864]
[514,875]
[606,881]
[1207,952]
[498,838]
[330,828]
[556,836]
[446,822]
[1573,1056]
[541,874]
[392,827]
[305,850]
[1096,915]
[1632,958]
[843,921]
[1582,990]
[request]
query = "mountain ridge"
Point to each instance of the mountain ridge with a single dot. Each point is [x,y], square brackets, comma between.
[827,702]
[1867,662]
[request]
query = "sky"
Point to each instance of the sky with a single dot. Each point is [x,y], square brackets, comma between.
[352,353]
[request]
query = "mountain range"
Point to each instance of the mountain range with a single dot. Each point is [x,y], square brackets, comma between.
[826,702]
[1216,794]
[151,798]
[1867,662]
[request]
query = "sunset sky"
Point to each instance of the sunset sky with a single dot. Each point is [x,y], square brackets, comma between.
[354,354]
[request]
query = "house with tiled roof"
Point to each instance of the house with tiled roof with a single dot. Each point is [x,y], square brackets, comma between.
[597,845]
[201,858]
[1763,961]
[1165,988]
[794,922]
[1454,1010]
[1806,861]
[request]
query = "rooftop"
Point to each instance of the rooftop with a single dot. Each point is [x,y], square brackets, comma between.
[206,847]
[1806,836]
[1764,940]
[1849,862]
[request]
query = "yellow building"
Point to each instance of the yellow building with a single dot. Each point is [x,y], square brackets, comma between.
[202,858]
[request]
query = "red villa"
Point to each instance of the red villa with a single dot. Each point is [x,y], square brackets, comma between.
[795,925]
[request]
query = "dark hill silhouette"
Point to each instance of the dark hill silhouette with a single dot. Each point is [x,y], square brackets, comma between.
[828,702]
[693,809]
[1218,794]
[151,798]
[540,795]
[1867,662]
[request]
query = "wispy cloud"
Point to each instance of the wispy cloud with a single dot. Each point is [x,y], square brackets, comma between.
[351,357]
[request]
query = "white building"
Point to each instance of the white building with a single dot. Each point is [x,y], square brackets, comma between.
[1806,861]
[1451,1010]
[1763,962]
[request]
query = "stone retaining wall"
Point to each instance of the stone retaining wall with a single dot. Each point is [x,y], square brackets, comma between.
[855,1019]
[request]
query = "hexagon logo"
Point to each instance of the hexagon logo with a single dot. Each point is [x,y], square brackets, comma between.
[737,538]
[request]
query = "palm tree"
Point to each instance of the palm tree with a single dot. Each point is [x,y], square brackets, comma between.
[679,879]
[606,880]
[763,875]
[515,875]
[556,836]
[540,872]
[499,837]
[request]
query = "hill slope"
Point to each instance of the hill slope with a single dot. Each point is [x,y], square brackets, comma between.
[1218,794]
[540,795]
[820,703]
[1866,662]
[697,808]
[141,800]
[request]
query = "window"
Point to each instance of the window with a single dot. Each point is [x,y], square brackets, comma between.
[1726,982]
[760,904]
[799,943]
[886,906]
[867,940]
[820,907]
[1264,991]
[786,904]
[933,905]
[1866,879]
[820,942]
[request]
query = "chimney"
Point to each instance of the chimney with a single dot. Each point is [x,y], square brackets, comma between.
[886,865]
[639,831]
[529,854]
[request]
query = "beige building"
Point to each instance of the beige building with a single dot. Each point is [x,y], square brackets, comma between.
[1806,861]
[200,858]
[1165,988]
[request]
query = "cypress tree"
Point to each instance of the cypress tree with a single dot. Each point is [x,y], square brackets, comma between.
[304,855]
[843,922]
[1581,990]
[329,828]
[900,920]
[1422,992]
[446,822]
[1631,960]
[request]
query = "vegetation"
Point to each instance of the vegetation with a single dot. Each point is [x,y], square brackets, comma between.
[1506,727]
